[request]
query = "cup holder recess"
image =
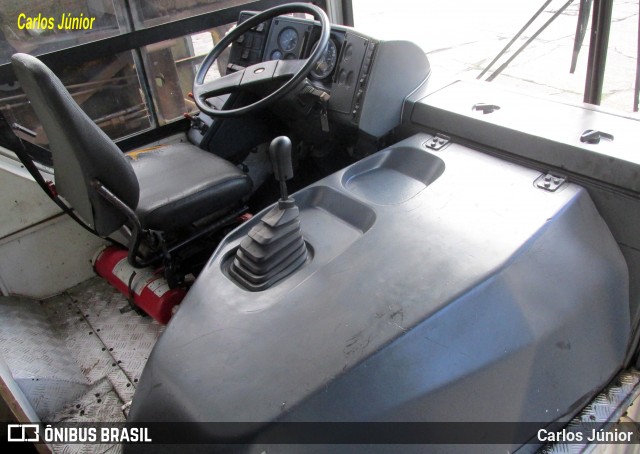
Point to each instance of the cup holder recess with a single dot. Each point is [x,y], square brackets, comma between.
[393,176]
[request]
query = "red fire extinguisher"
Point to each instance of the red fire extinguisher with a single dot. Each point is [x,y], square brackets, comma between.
[146,287]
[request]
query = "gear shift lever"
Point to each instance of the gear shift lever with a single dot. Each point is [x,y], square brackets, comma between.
[280,153]
[274,248]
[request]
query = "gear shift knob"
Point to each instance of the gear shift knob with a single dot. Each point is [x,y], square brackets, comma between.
[280,152]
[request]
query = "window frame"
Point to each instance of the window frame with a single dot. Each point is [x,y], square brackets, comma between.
[135,40]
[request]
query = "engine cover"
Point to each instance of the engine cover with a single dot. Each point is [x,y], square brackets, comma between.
[440,286]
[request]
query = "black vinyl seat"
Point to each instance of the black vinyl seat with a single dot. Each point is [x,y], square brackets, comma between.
[181,183]
[161,189]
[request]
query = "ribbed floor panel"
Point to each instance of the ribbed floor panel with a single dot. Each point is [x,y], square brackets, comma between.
[77,357]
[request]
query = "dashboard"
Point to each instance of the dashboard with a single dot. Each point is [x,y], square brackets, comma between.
[290,39]
[342,71]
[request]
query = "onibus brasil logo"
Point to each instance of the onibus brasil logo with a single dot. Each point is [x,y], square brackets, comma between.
[35,433]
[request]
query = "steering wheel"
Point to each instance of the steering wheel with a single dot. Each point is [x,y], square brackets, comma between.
[261,73]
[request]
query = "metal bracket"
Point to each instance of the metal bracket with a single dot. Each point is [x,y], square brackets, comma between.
[437,142]
[549,182]
[593,137]
[485,108]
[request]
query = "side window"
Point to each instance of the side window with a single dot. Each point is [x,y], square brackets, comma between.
[462,38]
[107,89]
[171,68]
[40,26]
[147,13]
[124,91]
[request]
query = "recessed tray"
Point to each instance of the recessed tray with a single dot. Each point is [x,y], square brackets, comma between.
[393,176]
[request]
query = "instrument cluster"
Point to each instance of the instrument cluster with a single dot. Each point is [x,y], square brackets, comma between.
[290,39]
[342,71]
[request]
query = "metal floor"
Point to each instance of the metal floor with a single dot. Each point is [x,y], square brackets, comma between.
[78,356]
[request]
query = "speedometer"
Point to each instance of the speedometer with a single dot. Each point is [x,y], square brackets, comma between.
[288,39]
[327,62]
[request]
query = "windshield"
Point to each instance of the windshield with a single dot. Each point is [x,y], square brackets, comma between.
[462,38]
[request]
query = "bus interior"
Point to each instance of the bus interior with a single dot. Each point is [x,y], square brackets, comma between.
[255,212]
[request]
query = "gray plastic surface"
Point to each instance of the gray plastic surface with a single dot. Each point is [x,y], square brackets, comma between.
[402,172]
[478,298]
[536,128]
[399,68]
[545,134]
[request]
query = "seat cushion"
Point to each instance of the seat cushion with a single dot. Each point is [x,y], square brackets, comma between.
[181,183]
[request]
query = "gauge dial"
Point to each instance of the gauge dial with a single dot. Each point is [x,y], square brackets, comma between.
[327,62]
[276,55]
[288,39]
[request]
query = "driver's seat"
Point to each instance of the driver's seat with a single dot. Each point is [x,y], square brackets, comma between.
[163,189]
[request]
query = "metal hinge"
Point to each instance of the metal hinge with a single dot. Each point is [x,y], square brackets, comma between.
[549,182]
[437,142]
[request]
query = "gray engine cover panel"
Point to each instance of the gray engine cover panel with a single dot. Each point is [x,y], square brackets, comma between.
[469,295]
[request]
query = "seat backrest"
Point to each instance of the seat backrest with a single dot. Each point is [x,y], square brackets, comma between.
[81,151]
